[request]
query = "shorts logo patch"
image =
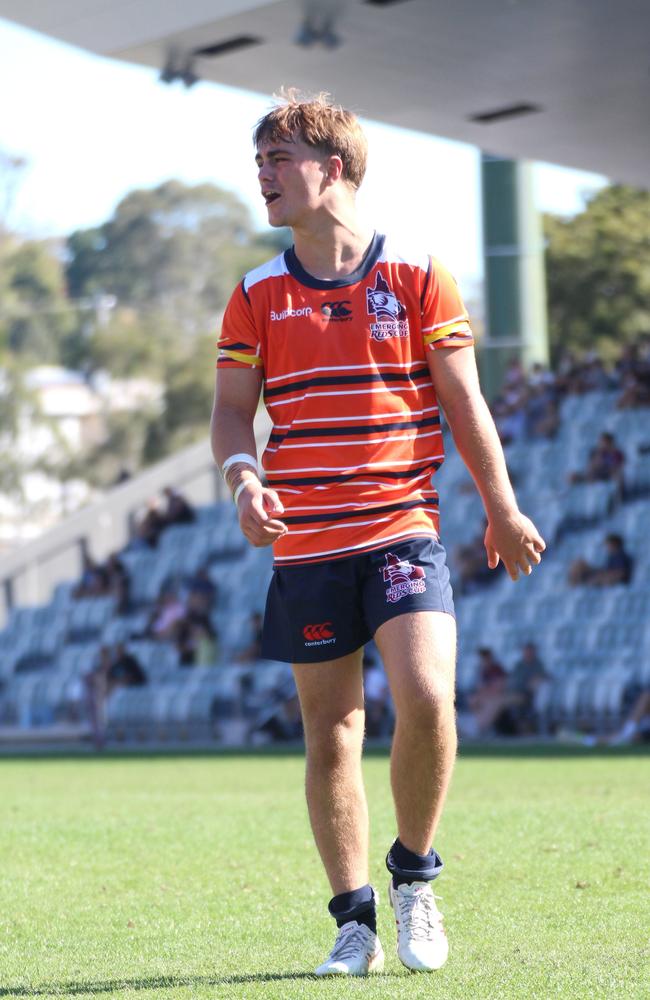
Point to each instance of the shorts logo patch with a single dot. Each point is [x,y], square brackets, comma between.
[404,579]
[319,635]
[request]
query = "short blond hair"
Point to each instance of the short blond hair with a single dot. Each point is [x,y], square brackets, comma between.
[326,127]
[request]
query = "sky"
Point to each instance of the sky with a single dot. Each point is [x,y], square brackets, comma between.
[92,129]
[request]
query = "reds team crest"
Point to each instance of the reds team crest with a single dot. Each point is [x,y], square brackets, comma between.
[403,578]
[389,312]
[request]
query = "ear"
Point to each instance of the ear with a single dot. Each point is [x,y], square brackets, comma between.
[334,169]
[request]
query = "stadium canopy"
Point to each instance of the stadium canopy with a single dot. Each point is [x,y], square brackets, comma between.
[565,81]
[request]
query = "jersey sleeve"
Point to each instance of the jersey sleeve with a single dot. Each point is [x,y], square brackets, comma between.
[239,343]
[445,322]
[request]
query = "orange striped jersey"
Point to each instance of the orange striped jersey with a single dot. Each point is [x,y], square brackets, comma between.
[356,431]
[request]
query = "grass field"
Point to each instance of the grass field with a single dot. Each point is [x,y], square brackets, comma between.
[196,877]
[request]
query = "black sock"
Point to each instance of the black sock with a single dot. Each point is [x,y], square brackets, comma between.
[357,905]
[406,867]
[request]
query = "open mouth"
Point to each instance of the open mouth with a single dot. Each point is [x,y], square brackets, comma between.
[270,197]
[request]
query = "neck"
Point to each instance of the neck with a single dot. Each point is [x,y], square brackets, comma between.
[332,247]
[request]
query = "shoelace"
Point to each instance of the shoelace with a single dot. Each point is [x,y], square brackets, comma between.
[419,914]
[348,943]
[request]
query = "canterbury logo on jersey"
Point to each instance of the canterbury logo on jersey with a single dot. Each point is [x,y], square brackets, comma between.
[318,635]
[337,311]
[290,313]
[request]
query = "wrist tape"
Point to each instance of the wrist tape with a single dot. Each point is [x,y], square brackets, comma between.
[241,457]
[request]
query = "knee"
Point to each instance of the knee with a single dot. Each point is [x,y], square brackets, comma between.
[428,708]
[333,744]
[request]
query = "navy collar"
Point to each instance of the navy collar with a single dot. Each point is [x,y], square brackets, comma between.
[371,256]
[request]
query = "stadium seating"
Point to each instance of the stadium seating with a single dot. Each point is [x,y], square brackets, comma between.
[595,642]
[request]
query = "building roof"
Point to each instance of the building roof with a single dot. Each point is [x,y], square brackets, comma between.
[566,81]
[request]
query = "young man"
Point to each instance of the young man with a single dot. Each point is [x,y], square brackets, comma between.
[355,343]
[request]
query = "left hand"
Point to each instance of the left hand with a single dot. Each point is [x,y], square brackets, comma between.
[513,540]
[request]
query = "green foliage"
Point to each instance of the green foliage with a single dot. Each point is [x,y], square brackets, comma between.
[140,295]
[172,249]
[14,398]
[598,272]
[132,344]
[35,313]
[123,448]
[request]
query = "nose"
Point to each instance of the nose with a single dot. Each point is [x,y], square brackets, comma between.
[264,172]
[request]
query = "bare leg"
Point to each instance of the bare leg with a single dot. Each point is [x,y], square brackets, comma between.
[331,701]
[419,654]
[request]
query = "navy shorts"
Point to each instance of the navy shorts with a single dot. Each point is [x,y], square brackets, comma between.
[321,611]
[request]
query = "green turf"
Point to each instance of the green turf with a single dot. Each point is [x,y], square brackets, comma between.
[196,877]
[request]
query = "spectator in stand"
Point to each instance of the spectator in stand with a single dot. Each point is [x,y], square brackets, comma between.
[253,651]
[148,527]
[123,476]
[510,419]
[636,728]
[118,583]
[94,579]
[605,463]
[95,683]
[627,363]
[635,391]
[124,670]
[165,618]
[539,375]
[379,716]
[201,591]
[542,413]
[568,374]
[514,378]
[206,645]
[526,677]
[284,725]
[616,569]
[480,707]
[504,703]
[197,644]
[593,375]
[178,510]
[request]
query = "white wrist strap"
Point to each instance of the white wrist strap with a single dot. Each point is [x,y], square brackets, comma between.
[241,457]
[238,491]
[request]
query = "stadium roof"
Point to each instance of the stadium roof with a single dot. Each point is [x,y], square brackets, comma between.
[567,81]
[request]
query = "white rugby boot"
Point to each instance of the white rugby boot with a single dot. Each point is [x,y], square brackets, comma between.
[421,940]
[356,952]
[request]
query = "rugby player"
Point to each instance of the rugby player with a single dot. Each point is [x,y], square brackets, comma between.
[355,342]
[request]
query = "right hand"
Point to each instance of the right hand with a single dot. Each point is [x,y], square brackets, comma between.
[255,505]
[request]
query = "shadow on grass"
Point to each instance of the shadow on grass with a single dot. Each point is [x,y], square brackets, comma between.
[162,983]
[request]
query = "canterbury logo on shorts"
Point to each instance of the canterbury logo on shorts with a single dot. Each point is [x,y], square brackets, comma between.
[319,635]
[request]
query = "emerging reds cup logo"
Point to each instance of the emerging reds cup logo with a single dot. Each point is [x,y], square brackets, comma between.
[389,312]
[319,635]
[403,578]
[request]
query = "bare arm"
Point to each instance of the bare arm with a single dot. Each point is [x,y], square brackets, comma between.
[510,536]
[236,397]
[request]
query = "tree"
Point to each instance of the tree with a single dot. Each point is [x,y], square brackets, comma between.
[598,272]
[140,295]
[176,249]
[35,313]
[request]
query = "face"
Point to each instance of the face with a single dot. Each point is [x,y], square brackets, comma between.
[293,178]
